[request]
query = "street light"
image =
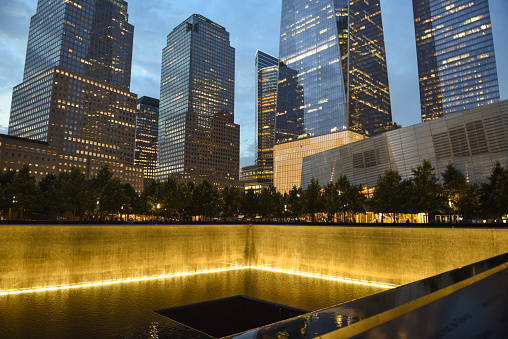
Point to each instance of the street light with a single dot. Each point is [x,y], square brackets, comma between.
[11,211]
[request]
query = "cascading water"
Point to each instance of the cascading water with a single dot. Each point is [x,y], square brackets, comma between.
[98,281]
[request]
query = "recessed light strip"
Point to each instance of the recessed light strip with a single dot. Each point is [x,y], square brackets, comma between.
[327,277]
[183,274]
[120,281]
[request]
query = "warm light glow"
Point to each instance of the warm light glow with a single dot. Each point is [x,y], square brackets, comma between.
[209,271]
[119,281]
[328,277]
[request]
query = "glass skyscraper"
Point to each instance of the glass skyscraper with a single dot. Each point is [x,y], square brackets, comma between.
[198,138]
[267,76]
[456,60]
[333,74]
[75,90]
[147,122]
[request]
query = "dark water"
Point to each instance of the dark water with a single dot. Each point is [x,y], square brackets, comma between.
[126,310]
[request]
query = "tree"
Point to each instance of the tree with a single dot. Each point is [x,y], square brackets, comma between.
[6,198]
[388,193]
[50,200]
[351,198]
[470,202]
[407,197]
[112,197]
[249,204]
[167,195]
[75,194]
[331,201]
[183,197]
[355,200]
[428,192]
[148,197]
[501,194]
[206,200]
[312,199]
[173,195]
[133,201]
[455,189]
[107,191]
[23,190]
[231,202]
[270,203]
[294,202]
[495,192]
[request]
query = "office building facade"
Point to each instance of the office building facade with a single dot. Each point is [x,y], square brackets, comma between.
[333,74]
[473,140]
[456,59]
[289,156]
[249,178]
[75,91]
[197,137]
[267,75]
[147,122]
[43,159]
[333,81]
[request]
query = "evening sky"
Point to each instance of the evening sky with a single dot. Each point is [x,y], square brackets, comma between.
[252,25]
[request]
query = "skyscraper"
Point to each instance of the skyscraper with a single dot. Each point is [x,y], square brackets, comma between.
[198,138]
[147,122]
[333,54]
[333,80]
[75,90]
[267,75]
[456,60]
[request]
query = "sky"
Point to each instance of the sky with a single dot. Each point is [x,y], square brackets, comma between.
[253,25]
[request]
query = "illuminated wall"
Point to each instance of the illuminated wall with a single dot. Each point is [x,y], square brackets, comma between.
[37,256]
[289,156]
[381,254]
[49,256]
[456,59]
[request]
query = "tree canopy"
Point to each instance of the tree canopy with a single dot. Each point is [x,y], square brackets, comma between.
[105,196]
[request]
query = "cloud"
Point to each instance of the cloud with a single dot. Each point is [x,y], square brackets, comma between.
[15,19]
[252,25]
[14,24]
[248,152]
[249,30]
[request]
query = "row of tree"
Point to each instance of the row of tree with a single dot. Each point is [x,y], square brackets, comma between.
[422,193]
[68,192]
[103,196]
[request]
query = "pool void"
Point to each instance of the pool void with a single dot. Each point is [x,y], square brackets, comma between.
[227,316]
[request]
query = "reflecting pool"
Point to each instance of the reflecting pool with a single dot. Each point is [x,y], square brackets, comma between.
[106,281]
